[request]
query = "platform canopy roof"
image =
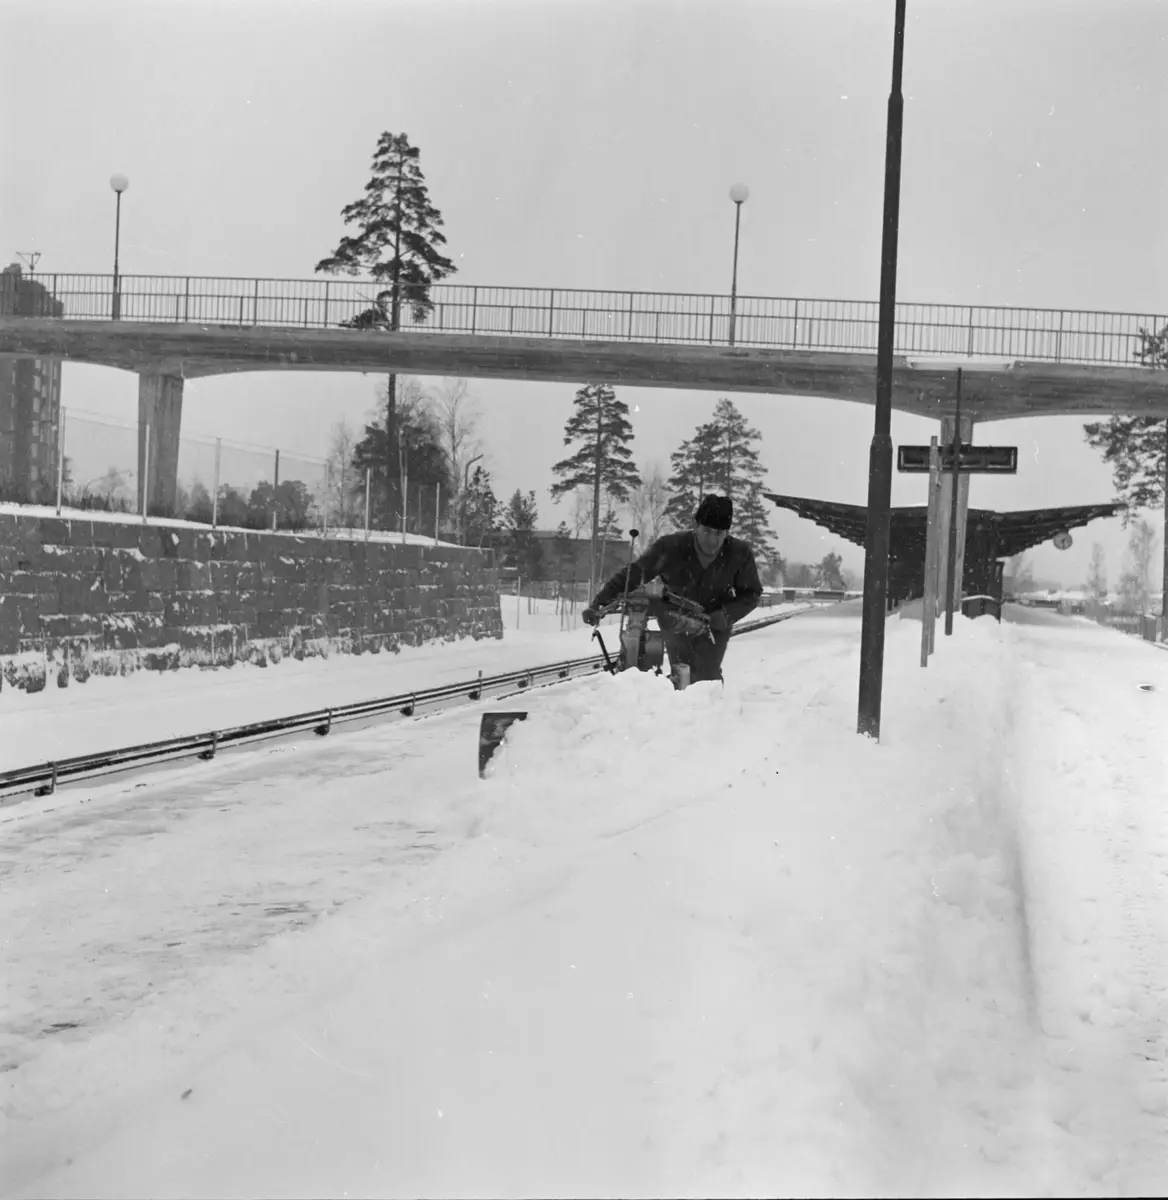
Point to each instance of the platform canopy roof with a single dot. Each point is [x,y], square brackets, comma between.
[1016,531]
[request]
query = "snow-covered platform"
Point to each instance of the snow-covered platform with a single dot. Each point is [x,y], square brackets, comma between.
[698,943]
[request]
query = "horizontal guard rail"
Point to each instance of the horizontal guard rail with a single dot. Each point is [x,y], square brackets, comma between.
[43,778]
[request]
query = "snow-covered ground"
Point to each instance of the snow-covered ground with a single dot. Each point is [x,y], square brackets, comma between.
[41,511]
[698,943]
[107,712]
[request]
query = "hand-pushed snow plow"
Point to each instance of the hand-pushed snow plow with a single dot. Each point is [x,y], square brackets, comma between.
[644,647]
[640,646]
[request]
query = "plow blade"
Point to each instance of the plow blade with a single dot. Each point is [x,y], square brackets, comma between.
[492,729]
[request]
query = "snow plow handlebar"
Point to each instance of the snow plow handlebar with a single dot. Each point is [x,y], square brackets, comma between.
[665,603]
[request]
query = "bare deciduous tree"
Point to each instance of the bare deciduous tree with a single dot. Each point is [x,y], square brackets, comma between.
[1020,572]
[458,418]
[346,494]
[1097,574]
[649,503]
[1135,583]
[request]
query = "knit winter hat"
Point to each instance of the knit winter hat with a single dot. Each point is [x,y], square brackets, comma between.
[715,512]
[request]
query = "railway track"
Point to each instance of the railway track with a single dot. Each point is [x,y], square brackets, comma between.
[43,779]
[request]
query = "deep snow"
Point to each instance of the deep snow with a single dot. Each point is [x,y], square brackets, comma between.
[699,943]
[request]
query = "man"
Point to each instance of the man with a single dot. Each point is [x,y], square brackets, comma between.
[705,565]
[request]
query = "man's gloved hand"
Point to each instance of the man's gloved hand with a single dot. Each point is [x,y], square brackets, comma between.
[590,616]
[719,621]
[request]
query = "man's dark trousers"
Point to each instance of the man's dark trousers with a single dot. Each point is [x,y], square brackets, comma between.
[703,655]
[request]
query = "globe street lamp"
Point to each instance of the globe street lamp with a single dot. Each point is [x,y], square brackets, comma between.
[119,183]
[738,194]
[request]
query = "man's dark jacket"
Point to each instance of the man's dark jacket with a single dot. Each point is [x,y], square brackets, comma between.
[730,582]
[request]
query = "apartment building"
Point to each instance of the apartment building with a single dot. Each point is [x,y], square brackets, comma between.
[30,400]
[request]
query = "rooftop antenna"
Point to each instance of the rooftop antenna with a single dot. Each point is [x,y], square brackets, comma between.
[30,258]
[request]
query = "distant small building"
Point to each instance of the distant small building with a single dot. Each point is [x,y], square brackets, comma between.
[30,401]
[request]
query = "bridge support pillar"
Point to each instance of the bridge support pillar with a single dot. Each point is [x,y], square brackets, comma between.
[160,399]
[946,438]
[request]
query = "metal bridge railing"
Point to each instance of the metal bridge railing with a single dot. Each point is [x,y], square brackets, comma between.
[952,330]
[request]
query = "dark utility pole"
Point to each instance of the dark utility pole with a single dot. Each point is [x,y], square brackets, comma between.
[392,432]
[1164,584]
[880,454]
[953,590]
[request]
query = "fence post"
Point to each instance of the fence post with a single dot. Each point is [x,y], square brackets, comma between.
[324,323]
[969,348]
[328,483]
[795,328]
[146,476]
[405,493]
[551,312]
[60,458]
[255,305]
[368,475]
[187,300]
[1058,345]
[215,490]
[437,508]
[630,335]
[711,320]
[275,485]
[474,309]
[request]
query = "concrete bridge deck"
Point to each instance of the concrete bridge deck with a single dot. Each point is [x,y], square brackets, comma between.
[923,385]
[168,329]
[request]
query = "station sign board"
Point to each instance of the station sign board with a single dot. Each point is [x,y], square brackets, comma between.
[980,460]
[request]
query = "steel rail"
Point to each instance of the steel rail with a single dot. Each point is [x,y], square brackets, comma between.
[43,779]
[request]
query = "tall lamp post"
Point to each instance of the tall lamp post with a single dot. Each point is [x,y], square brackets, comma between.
[738,194]
[119,183]
[880,453]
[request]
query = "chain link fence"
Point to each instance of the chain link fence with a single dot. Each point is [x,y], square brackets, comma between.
[97,462]
[221,482]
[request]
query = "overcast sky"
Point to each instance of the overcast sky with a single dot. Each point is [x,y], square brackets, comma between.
[592,145]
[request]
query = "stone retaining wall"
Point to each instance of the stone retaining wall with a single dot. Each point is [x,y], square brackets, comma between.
[79,597]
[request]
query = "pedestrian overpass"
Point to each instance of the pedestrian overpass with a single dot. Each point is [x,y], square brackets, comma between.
[168,329]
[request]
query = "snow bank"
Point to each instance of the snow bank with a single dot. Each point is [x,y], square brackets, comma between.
[707,943]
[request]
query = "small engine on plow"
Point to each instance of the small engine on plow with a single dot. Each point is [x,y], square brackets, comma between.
[643,647]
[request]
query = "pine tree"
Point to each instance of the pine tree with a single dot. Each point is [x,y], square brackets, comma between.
[1137,449]
[600,423]
[419,462]
[480,509]
[397,243]
[736,461]
[521,549]
[829,572]
[1134,446]
[721,457]
[564,550]
[694,468]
